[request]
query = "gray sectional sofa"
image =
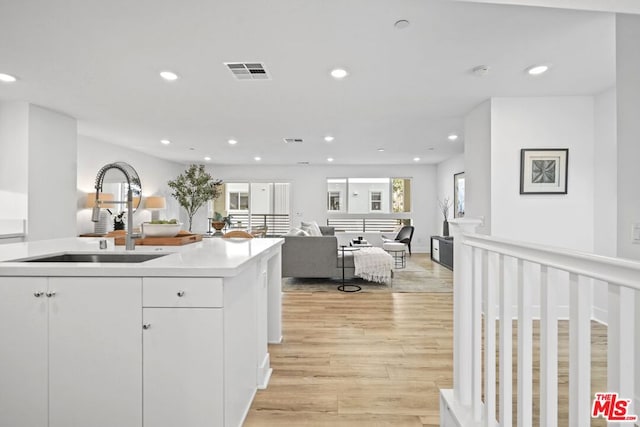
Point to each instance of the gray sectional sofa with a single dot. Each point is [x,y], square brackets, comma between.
[315,256]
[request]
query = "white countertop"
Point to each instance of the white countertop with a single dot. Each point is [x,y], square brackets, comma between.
[212,257]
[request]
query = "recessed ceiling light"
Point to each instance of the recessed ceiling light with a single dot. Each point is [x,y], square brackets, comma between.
[257,158]
[339,73]
[329,159]
[381,149]
[207,158]
[7,78]
[169,75]
[452,137]
[232,142]
[401,24]
[165,142]
[416,159]
[536,70]
[329,138]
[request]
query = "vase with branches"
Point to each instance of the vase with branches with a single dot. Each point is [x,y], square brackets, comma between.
[445,204]
[193,188]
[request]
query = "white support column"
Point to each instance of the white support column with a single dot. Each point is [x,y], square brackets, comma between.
[548,352]
[579,351]
[506,338]
[462,306]
[525,349]
[620,344]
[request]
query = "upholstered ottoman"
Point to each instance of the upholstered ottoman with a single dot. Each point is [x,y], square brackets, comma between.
[398,252]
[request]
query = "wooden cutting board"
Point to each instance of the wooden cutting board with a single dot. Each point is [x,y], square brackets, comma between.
[183,238]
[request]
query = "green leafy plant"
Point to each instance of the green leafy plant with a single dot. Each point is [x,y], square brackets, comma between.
[193,188]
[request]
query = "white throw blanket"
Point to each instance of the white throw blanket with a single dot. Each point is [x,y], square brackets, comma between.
[373,264]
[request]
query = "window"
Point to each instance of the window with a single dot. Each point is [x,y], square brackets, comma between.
[375,201]
[238,201]
[369,195]
[333,201]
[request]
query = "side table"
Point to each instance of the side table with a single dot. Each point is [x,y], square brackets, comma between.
[343,287]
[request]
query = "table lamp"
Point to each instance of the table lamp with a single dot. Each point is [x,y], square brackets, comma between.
[100,227]
[155,204]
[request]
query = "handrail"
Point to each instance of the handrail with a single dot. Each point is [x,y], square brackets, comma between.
[614,270]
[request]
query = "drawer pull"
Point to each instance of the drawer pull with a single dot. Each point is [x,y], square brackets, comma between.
[38,294]
[180,293]
[51,294]
[146,326]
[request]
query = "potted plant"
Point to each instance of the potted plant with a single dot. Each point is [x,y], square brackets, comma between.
[193,188]
[445,205]
[219,221]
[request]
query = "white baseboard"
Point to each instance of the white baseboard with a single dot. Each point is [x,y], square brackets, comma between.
[264,372]
[599,315]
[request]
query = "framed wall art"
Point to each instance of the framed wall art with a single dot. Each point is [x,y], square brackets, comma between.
[458,195]
[543,170]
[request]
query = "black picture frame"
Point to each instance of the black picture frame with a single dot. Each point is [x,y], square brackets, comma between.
[544,170]
[458,195]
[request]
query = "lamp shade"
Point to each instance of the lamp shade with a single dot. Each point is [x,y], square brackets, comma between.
[155,202]
[104,199]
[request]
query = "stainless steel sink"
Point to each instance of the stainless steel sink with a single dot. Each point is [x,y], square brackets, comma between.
[87,257]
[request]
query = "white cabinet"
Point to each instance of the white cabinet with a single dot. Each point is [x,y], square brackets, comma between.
[183,367]
[23,351]
[76,349]
[183,351]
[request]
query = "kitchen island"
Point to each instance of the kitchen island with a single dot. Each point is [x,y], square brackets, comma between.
[176,340]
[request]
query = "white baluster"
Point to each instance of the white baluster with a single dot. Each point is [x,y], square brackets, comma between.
[479,267]
[579,351]
[489,290]
[620,343]
[506,353]
[548,352]
[525,348]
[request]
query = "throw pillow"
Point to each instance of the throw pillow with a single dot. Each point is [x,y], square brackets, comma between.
[311,227]
[296,232]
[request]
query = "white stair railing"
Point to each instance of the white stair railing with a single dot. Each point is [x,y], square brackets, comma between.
[500,280]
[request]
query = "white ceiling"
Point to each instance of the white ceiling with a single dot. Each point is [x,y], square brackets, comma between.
[407,89]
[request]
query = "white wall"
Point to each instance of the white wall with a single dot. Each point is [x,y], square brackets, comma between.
[444,172]
[557,122]
[477,160]
[628,104]
[309,189]
[605,194]
[14,158]
[153,172]
[52,174]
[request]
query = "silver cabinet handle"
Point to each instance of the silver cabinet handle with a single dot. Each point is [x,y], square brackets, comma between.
[180,293]
[146,326]
[51,294]
[38,294]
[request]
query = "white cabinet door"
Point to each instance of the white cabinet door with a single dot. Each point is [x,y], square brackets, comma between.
[23,351]
[182,367]
[95,352]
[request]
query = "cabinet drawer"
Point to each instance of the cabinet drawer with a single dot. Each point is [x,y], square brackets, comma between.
[181,292]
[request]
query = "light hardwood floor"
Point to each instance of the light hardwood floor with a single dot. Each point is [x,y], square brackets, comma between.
[369,359]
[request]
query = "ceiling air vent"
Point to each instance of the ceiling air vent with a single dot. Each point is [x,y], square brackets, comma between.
[303,163]
[292,140]
[248,70]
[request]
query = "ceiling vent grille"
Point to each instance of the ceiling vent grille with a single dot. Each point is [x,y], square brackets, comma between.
[248,70]
[303,163]
[292,140]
